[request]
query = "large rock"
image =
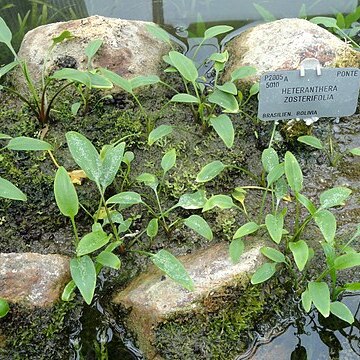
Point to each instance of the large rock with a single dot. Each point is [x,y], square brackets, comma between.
[283,44]
[153,298]
[33,279]
[128,48]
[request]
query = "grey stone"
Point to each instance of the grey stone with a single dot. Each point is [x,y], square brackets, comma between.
[33,279]
[128,48]
[153,298]
[283,44]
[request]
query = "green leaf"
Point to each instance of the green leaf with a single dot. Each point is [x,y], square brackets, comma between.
[8,67]
[340,21]
[222,57]
[125,199]
[158,33]
[5,137]
[254,89]
[117,80]
[264,13]
[224,128]
[352,286]
[149,180]
[128,157]
[92,242]
[216,30]
[109,259]
[228,87]
[199,225]
[72,75]
[185,98]
[172,267]
[92,48]
[65,194]
[263,273]
[111,160]
[326,21]
[68,291]
[226,101]
[124,226]
[342,311]
[334,197]
[243,72]
[168,160]
[142,80]
[320,296]
[275,174]
[184,65]
[210,171]
[326,222]
[281,189]
[84,275]
[246,229]
[28,144]
[99,81]
[347,261]
[220,201]
[269,159]
[293,172]
[4,308]
[273,254]
[63,36]
[306,300]
[75,108]
[85,155]
[152,228]
[158,133]
[236,249]
[311,141]
[303,200]
[5,33]
[355,151]
[10,191]
[300,251]
[275,225]
[192,201]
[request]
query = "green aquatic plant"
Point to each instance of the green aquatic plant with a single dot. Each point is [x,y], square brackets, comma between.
[96,249]
[210,104]
[4,308]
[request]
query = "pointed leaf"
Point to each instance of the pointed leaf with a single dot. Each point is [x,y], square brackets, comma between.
[185,98]
[149,180]
[341,311]
[28,144]
[225,100]
[92,48]
[326,21]
[275,174]
[228,87]
[273,254]
[303,200]
[300,251]
[311,141]
[107,258]
[92,242]
[184,65]
[236,249]
[217,30]
[85,155]
[125,199]
[243,72]
[117,80]
[355,151]
[220,201]
[84,275]
[326,222]
[224,128]
[352,286]
[142,80]
[334,197]
[210,171]
[320,296]
[199,225]
[99,81]
[72,75]
[158,133]
[347,261]
[8,67]
[246,229]
[254,89]
[67,294]
[192,201]
[293,172]
[275,225]
[270,159]
[10,191]
[172,267]
[263,273]
[158,33]
[306,300]
[5,33]
[65,194]
[152,228]
[168,161]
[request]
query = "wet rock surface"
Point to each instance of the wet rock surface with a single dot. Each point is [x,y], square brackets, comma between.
[152,297]
[128,48]
[33,279]
[284,44]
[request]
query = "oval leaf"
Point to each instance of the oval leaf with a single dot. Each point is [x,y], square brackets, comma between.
[168,161]
[210,171]
[217,30]
[185,98]
[4,308]
[228,87]
[158,133]
[184,65]
[28,144]
[152,228]
[326,222]
[334,197]
[236,249]
[10,191]
[320,296]
[274,225]
[199,225]
[125,199]
[269,159]
[144,81]
[72,75]
[342,311]
[109,259]
[158,33]
[192,201]
[225,100]
[311,141]
[347,261]
[117,80]
[263,273]
[84,275]
[300,251]
[220,201]
[92,48]
[92,242]
[246,229]
[65,194]
[110,163]
[273,254]
[172,267]
[224,128]
[293,172]
[5,33]
[306,300]
[243,72]
[275,174]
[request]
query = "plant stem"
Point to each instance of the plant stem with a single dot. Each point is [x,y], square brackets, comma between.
[75,231]
[53,158]
[113,227]
[161,212]
[272,134]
